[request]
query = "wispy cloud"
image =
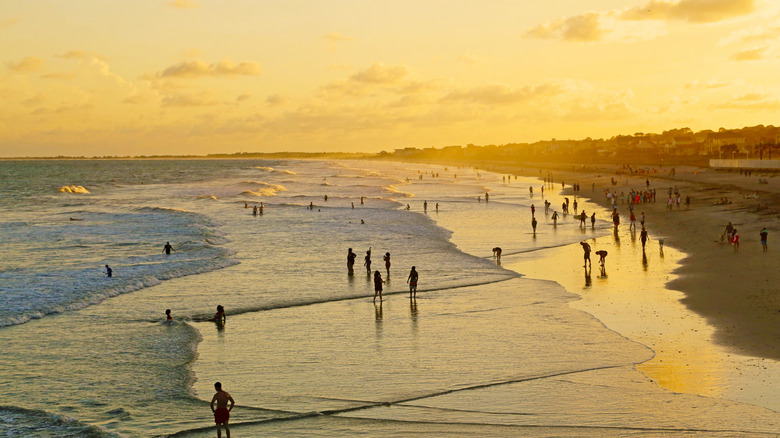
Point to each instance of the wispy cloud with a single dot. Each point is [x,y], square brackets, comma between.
[184,4]
[692,11]
[621,24]
[749,102]
[497,94]
[337,37]
[749,55]
[199,68]
[381,74]
[28,65]
[470,58]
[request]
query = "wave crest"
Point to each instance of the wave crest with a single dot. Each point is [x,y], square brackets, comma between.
[73,189]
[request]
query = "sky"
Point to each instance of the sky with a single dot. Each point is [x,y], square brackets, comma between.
[144,77]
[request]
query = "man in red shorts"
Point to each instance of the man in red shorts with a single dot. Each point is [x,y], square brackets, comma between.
[222,412]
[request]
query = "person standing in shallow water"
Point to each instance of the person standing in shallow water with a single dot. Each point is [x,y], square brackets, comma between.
[378,282]
[367,262]
[586,249]
[643,238]
[168,248]
[222,411]
[109,271]
[386,258]
[533,225]
[412,280]
[351,261]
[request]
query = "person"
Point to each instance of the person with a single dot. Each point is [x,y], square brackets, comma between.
[361,200]
[735,240]
[378,285]
[728,231]
[487,197]
[575,206]
[254,211]
[555,218]
[222,411]
[642,220]
[687,201]
[367,262]
[602,256]
[533,225]
[109,271]
[437,207]
[219,317]
[643,237]
[325,198]
[386,258]
[593,220]
[168,248]
[168,316]
[353,205]
[425,206]
[764,234]
[616,218]
[533,210]
[412,280]
[632,219]
[350,261]
[260,209]
[497,253]
[586,249]
[311,206]
[583,216]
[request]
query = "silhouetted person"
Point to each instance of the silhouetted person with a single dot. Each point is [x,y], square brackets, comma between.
[367,262]
[602,256]
[586,250]
[533,225]
[555,218]
[497,254]
[412,280]
[378,282]
[643,237]
[168,248]
[109,271]
[222,411]
[386,258]
[593,220]
[168,316]
[351,261]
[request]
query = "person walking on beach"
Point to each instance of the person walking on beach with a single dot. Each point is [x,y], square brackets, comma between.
[632,224]
[586,249]
[583,216]
[412,280]
[727,232]
[764,234]
[533,225]
[351,256]
[425,206]
[437,207]
[222,410]
[593,220]
[109,271]
[386,258]
[555,218]
[735,240]
[378,282]
[367,262]
[643,238]
[533,210]
[168,248]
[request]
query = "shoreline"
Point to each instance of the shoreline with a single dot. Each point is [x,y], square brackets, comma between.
[736,292]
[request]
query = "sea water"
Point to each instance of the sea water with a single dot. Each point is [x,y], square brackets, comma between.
[306,351]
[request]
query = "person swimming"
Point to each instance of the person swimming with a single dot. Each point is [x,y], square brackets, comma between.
[220,316]
[168,316]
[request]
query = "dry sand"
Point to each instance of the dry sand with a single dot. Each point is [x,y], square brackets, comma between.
[737,292]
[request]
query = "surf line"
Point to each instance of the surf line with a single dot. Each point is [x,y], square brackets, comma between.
[369,405]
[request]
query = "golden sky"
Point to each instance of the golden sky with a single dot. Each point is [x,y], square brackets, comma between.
[143,77]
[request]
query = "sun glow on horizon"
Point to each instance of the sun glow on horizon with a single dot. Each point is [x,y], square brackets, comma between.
[197,77]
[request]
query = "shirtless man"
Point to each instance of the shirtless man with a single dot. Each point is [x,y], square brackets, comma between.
[222,411]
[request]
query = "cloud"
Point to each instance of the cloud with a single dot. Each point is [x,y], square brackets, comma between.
[188,100]
[337,37]
[184,4]
[27,65]
[75,54]
[61,76]
[621,25]
[754,34]
[199,68]
[470,58]
[274,100]
[380,74]
[242,97]
[751,102]
[497,94]
[584,27]
[692,11]
[749,55]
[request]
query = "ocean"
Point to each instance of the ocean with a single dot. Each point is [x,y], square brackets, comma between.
[486,348]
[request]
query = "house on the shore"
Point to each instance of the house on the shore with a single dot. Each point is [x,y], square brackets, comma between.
[716,140]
